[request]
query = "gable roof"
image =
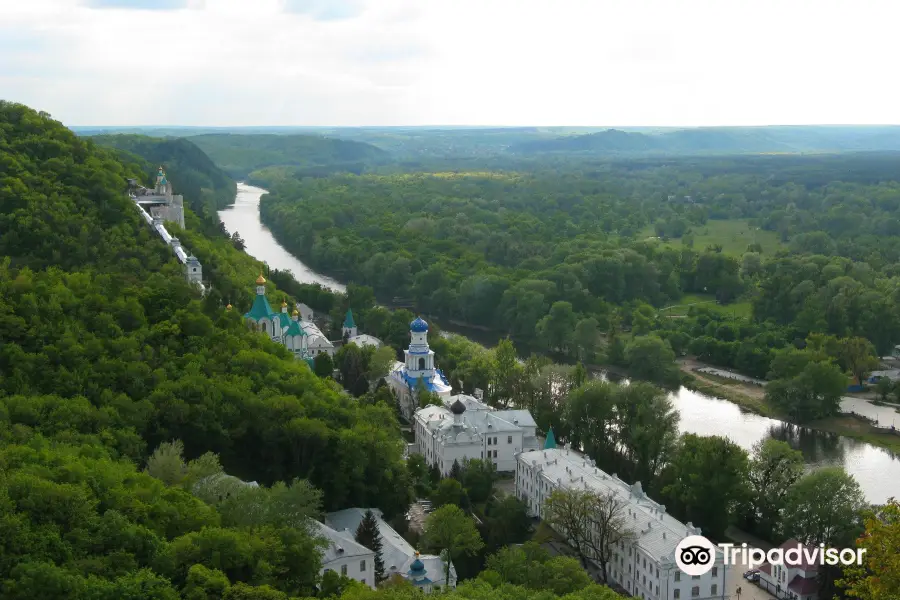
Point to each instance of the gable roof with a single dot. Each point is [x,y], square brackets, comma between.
[260,308]
[348,320]
[340,545]
[397,554]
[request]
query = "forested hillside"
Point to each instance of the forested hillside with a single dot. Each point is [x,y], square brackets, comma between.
[239,155]
[555,257]
[205,187]
[107,353]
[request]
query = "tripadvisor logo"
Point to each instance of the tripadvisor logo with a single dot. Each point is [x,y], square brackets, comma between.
[696,555]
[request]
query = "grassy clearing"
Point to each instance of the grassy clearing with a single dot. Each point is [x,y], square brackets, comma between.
[858,430]
[733,234]
[737,309]
[727,392]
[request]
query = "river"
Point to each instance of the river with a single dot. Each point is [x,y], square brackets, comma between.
[877,470]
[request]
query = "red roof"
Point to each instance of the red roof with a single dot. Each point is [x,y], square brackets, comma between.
[804,586]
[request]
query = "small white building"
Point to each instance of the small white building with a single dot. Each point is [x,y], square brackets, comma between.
[466,428]
[646,566]
[345,556]
[425,571]
[419,366]
[796,579]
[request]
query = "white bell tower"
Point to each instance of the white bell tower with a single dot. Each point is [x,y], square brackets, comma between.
[419,357]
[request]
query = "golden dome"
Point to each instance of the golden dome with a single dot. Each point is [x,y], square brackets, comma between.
[283,303]
[260,280]
[228,307]
[296,313]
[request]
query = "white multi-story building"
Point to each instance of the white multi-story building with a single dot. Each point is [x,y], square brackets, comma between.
[343,555]
[645,566]
[405,377]
[425,571]
[466,428]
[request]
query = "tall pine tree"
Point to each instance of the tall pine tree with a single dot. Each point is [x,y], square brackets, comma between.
[368,535]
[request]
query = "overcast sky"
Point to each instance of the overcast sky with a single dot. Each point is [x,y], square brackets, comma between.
[476,62]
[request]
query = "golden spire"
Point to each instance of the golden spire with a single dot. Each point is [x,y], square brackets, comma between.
[260,280]
[296,313]
[228,307]
[284,303]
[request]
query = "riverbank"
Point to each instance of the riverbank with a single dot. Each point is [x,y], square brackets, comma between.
[752,399]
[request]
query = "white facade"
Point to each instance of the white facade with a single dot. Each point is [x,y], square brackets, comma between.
[646,566]
[465,428]
[396,553]
[345,556]
[418,366]
[795,579]
[158,206]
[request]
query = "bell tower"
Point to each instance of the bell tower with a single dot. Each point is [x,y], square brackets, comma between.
[419,357]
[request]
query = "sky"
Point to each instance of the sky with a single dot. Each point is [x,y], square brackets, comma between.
[452,62]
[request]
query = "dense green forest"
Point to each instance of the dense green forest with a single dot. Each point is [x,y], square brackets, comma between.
[204,185]
[107,354]
[239,155]
[125,398]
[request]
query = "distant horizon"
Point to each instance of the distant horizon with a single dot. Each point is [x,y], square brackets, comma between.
[446,126]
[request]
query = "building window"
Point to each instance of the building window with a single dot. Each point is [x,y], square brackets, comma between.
[421,364]
[715,572]
[343,569]
[362,566]
[677,575]
[265,327]
[677,594]
[495,440]
[490,442]
[713,589]
[695,577]
[509,439]
[695,591]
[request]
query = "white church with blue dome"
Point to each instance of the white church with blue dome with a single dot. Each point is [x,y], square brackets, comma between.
[419,366]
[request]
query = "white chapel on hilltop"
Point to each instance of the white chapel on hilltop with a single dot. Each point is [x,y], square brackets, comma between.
[419,366]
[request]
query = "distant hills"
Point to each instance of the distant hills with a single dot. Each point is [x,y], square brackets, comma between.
[239,155]
[714,140]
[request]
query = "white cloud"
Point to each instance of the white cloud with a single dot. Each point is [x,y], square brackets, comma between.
[503,62]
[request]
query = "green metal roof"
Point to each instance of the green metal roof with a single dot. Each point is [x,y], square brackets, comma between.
[348,320]
[284,319]
[260,308]
[550,442]
[295,329]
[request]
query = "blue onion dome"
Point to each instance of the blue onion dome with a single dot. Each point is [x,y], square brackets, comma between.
[417,565]
[419,325]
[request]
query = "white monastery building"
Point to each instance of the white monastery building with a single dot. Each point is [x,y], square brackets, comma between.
[419,366]
[159,205]
[466,428]
[426,572]
[345,556]
[646,566]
